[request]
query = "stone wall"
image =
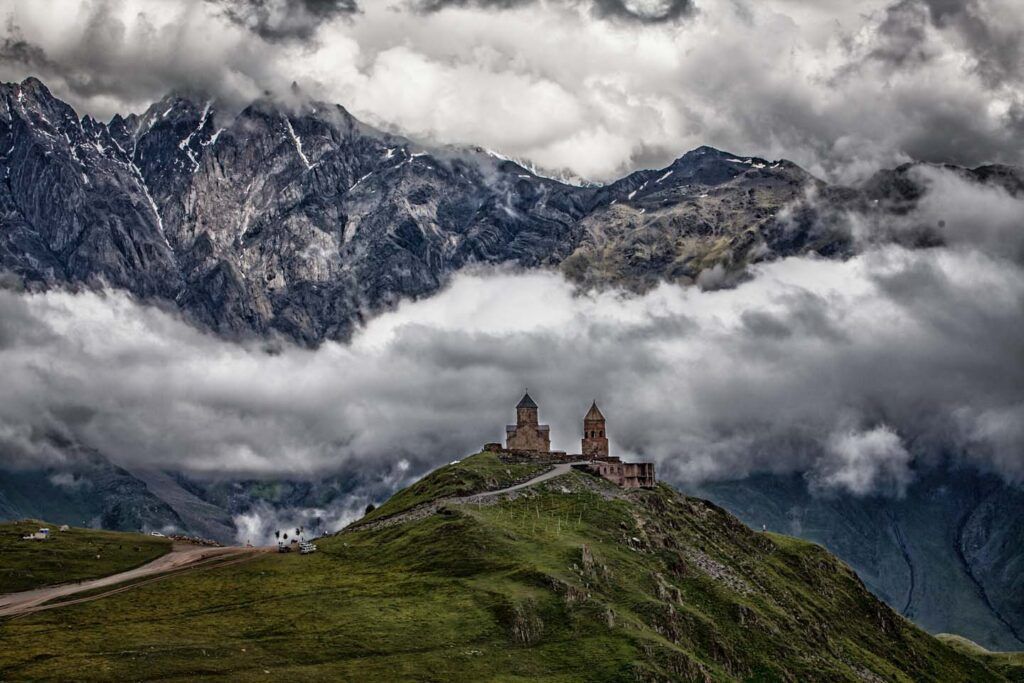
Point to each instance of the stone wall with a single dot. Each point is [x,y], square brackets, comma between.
[629,475]
[526,437]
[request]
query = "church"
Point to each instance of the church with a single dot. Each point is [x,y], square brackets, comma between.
[528,437]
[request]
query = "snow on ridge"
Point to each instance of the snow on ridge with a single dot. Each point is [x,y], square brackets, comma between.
[663,177]
[297,142]
[186,142]
[360,180]
[564,178]
[213,138]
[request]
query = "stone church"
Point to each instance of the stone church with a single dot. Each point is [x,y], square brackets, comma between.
[526,434]
[530,438]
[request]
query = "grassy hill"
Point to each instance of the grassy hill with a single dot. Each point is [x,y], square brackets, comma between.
[73,555]
[1010,664]
[573,579]
[481,472]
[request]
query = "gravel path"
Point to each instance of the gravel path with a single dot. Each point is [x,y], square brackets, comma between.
[427,509]
[182,556]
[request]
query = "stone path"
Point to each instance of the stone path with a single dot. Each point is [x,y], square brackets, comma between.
[427,509]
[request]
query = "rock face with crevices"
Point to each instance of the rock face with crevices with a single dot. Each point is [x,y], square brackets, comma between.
[302,222]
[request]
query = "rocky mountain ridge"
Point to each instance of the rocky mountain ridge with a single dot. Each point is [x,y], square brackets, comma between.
[301,221]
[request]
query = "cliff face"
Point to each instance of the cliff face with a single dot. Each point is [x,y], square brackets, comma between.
[301,221]
[297,221]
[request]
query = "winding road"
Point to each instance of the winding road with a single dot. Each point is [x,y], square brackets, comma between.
[556,471]
[182,557]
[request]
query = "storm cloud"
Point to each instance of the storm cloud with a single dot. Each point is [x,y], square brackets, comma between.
[854,373]
[276,20]
[643,11]
[594,87]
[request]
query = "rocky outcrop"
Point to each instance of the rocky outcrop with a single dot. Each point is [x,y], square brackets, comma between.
[301,221]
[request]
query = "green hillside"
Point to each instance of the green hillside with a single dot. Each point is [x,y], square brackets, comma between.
[573,579]
[1010,664]
[481,472]
[73,555]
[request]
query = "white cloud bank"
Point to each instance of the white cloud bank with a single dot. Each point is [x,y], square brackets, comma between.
[838,87]
[846,371]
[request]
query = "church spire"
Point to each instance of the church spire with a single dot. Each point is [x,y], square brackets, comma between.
[526,401]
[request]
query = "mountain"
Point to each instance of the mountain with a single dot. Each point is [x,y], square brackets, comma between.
[946,555]
[569,579]
[84,488]
[301,221]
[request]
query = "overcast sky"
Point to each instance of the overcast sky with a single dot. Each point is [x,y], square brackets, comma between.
[599,87]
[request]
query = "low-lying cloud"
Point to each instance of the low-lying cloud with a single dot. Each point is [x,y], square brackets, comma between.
[850,372]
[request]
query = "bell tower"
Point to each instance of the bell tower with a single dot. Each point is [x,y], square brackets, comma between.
[526,412]
[527,434]
[595,441]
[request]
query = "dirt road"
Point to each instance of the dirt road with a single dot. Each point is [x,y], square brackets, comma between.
[182,557]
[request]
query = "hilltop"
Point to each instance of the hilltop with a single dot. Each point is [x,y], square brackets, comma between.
[572,578]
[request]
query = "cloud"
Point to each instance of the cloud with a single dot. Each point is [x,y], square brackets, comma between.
[852,372]
[277,20]
[864,462]
[951,209]
[69,481]
[599,87]
[258,524]
[643,11]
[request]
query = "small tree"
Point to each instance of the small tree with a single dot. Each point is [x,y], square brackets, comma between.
[370,508]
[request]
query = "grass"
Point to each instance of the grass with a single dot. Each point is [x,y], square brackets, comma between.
[1009,664]
[480,472]
[74,555]
[103,590]
[594,584]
